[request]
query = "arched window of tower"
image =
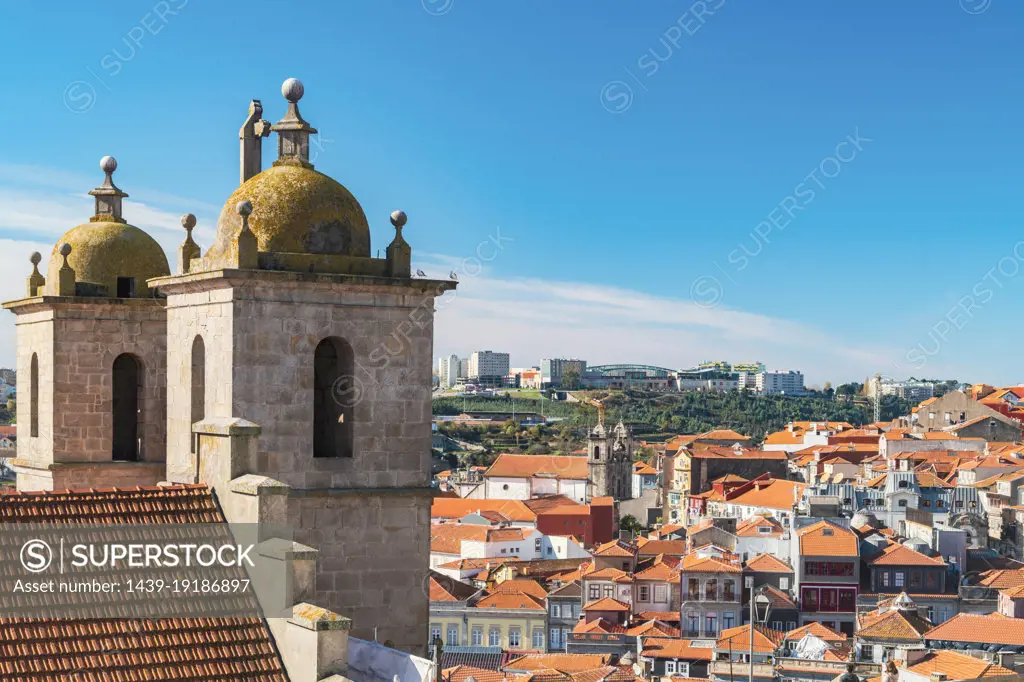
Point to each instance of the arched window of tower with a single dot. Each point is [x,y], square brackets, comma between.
[127,408]
[33,397]
[597,452]
[198,383]
[335,395]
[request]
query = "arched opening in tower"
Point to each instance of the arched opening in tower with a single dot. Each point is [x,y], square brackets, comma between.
[198,384]
[336,392]
[127,408]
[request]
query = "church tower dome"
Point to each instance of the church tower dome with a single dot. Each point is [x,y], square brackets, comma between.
[296,209]
[109,256]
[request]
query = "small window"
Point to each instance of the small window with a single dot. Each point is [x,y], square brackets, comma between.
[784,583]
[903,484]
[505,487]
[478,637]
[902,503]
[827,532]
[900,578]
[494,638]
[926,503]
[941,504]
[125,287]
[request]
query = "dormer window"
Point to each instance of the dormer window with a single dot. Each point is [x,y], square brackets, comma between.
[827,532]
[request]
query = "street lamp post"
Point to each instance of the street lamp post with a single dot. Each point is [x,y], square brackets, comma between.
[760,605]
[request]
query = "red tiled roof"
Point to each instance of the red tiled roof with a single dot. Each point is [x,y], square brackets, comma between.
[130,650]
[818,630]
[670,547]
[957,666]
[972,627]
[457,507]
[827,539]
[526,466]
[660,647]
[898,555]
[768,563]
[510,600]
[606,604]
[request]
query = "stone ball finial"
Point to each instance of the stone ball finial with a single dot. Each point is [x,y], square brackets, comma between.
[292,89]
[188,221]
[65,249]
[398,218]
[244,207]
[35,258]
[108,164]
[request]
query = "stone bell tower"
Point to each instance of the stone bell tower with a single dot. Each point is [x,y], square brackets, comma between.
[296,357]
[91,339]
[609,460]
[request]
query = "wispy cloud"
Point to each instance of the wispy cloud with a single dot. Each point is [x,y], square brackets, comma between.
[534,318]
[529,317]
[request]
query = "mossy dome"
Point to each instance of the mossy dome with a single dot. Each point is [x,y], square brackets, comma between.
[295,209]
[103,251]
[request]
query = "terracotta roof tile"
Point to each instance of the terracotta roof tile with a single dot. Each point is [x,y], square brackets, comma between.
[568,663]
[693,563]
[827,539]
[768,563]
[660,647]
[818,630]
[606,604]
[457,507]
[957,666]
[751,527]
[775,493]
[130,650]
[766,640]
[615,548]
[526,466]
[669,547]
[510,600]
[899,555]
[970,627]
[894,625]
[520,586]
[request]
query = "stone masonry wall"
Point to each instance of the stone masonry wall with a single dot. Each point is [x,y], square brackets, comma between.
[374,552]
[207,313]
[35,335]
[87,339]
[277,328]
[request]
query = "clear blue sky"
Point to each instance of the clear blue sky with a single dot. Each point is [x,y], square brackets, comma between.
[472,115]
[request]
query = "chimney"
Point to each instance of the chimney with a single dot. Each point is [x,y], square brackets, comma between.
[251,141]
[1007,659]
[937,677]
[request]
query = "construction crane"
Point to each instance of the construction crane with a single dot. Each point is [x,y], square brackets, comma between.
[599,404]
[878,397]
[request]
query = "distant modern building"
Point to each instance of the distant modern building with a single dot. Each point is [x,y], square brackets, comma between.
[912,390]
[448,371]
[787,382]
[552,370]
[488,368]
